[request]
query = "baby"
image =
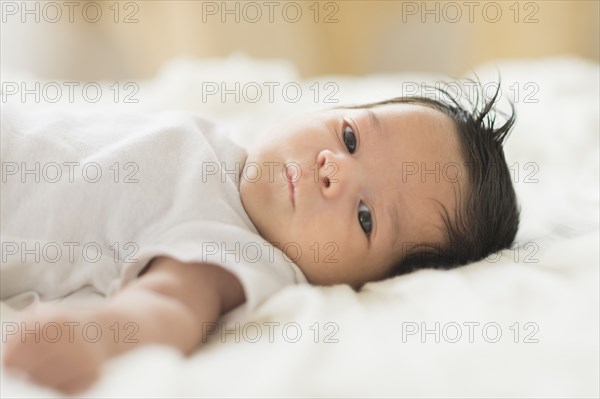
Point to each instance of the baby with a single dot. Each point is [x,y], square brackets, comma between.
[344,196]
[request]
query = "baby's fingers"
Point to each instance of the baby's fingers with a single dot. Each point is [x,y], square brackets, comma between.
[64,373]
[69,367]
[76,384]
[25,354]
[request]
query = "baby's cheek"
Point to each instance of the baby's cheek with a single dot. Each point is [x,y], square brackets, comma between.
[324,256]
[250,173]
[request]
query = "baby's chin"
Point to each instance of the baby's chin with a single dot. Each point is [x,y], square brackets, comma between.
[317,274]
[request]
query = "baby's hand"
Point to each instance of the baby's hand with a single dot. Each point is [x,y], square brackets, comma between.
[52,348]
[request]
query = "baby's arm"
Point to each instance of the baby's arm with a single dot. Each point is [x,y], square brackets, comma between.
[170,304]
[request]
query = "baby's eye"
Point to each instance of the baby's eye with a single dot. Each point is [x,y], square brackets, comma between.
[349,138]
[364,218]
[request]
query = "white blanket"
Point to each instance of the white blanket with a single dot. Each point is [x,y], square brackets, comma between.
[522,324]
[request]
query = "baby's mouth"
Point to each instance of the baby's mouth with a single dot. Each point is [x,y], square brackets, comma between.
[291,178]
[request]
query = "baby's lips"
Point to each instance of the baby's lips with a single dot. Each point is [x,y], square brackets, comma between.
[293,172]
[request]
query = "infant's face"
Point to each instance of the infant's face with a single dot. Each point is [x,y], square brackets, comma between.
[364,188]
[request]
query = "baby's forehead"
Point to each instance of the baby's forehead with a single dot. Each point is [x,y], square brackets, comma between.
[392,117]
[387,111]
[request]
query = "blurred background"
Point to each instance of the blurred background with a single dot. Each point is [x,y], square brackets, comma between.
[87,40]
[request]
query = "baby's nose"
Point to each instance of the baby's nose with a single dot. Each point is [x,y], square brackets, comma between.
[330,166]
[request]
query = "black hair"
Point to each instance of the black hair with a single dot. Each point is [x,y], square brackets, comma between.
[488,219]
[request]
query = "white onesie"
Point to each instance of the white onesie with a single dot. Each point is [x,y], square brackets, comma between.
[88,199]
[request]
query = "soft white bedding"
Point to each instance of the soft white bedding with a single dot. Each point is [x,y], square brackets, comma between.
[368,343]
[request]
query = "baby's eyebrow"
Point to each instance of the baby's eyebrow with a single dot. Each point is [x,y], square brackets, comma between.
[392,210]
[395,221]
[374,120]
